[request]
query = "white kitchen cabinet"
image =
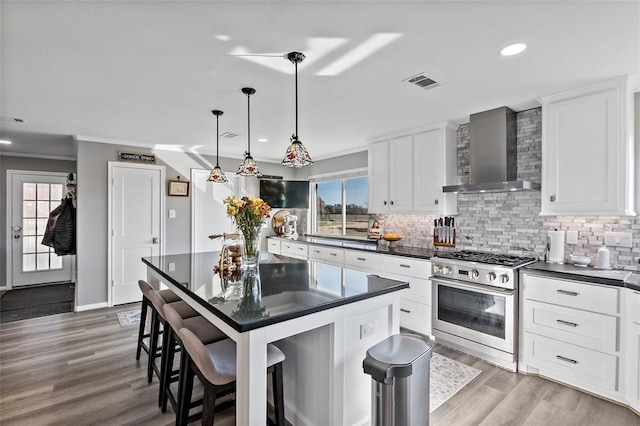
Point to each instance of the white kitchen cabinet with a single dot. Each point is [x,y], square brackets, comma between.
[408,170]
[326,254]
[391,175]
[587,150]
[273,245]
[571,332]
[294,249]
[632,349]
[434,166]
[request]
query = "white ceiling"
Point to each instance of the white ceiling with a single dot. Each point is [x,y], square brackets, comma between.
[149,73]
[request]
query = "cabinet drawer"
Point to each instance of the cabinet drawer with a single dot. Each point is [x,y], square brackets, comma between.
[362,259]
[290,248]
[583,328]
[419,289]
[633,304]
[407,266]
[329,254]
[590,297]
[571,364]
[273,245]
[415,316]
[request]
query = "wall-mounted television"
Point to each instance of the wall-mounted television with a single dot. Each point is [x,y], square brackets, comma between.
[293,194]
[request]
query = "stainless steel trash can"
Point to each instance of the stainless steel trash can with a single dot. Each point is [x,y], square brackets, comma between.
[399,368]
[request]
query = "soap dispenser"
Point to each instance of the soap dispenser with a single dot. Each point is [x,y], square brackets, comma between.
[604,258]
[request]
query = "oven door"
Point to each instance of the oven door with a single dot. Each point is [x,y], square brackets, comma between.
[482,314]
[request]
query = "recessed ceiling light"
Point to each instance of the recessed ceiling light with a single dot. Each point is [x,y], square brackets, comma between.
[513,49]
[263,140]
[5,142]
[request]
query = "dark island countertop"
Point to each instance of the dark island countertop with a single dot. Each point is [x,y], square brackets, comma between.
[284,289]
[365,245]
[612,277]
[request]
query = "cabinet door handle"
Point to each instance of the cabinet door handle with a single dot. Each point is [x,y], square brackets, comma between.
[391,202]
[436,202]
[361,258]
[561,358]
[570,324]
[301,248]
[333,254]
[552,198]
[402,265]
[405,311]
[316,251]
[384,203]
[568,293]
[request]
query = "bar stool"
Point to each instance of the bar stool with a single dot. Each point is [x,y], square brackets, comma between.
[215,366]
[200,326]
[157,323]
[167,295]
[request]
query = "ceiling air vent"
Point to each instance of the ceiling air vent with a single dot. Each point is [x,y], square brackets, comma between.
[228,135]
[422,80]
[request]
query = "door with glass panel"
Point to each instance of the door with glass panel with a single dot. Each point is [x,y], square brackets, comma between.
[34,196]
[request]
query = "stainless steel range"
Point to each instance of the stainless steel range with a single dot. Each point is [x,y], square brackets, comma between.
[475,298]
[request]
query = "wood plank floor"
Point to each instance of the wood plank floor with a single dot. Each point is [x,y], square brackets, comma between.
[80,369]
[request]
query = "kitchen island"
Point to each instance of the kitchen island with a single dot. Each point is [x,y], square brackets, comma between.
[323,317]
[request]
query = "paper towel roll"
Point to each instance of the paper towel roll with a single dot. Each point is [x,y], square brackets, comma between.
[556,247]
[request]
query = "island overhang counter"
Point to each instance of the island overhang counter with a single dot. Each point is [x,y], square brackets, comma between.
[323,317]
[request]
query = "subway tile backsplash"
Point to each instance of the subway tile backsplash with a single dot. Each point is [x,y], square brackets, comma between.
[509,222]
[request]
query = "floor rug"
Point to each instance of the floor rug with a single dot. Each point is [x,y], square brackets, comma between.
[129,318]
[37,301]
[447,378]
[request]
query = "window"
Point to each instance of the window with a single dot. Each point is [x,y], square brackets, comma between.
[340,206]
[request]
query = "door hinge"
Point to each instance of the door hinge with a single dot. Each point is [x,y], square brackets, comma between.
[113,232]
[113,283]
[113,181]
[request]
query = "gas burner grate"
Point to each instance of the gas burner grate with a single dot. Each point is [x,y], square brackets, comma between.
[488,258]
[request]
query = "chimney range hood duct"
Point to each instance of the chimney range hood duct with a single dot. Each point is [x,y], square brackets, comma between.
[493,160]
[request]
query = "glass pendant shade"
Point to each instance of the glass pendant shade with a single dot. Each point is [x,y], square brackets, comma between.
[217,175]
[248,167]
[296,155]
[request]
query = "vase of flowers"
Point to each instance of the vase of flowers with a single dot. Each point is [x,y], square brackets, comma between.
[248,214]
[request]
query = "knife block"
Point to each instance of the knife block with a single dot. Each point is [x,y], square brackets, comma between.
[442,243]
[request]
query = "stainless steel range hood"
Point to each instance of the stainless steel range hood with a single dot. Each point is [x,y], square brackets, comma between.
[493,161]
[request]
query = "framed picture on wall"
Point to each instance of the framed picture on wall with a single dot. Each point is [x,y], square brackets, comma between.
[178,188]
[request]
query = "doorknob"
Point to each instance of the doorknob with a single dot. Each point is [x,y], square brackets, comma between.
[16,231]
[155,240]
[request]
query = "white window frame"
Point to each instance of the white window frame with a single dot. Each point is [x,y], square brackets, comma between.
[331,177]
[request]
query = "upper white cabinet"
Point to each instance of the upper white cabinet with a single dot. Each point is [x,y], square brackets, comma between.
[587,150]
[390,175]
[407,171]
[434,166]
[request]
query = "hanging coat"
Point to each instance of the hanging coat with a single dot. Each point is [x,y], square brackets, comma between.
[64,236]
[49,231]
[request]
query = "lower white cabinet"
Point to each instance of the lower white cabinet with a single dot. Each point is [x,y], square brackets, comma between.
[632,349]
[326,254]
[571,332]
[294,249]
[273,245]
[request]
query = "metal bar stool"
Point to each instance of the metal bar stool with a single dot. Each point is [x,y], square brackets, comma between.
[200,326]
[215,366]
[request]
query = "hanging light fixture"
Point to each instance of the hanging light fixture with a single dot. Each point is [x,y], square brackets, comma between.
[296,155]
[217,175]
[248,167]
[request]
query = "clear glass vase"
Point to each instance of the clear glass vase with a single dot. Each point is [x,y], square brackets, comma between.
[250,246]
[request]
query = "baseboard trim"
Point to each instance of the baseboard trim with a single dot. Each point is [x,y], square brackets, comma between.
[81,308]
[5,288]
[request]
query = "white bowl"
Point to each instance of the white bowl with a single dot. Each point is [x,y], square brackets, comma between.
[580,260]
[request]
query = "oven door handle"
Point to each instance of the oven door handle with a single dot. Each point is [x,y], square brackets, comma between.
[476,287]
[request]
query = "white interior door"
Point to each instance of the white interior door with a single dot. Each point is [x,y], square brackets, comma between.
[136,203]
[30,198]
[209,215]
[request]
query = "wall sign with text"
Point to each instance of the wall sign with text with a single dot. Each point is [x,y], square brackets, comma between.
[137,157]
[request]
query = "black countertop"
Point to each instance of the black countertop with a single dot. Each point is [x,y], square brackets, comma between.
[363,245]
[288,288]
[612,277]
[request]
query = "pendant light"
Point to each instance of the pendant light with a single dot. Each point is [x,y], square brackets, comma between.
[248,167]
[217,175]
[296,155]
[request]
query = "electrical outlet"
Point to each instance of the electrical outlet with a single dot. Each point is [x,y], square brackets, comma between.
[172,214]
[367,329]
[619,239]
[572,237]
[172,266]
